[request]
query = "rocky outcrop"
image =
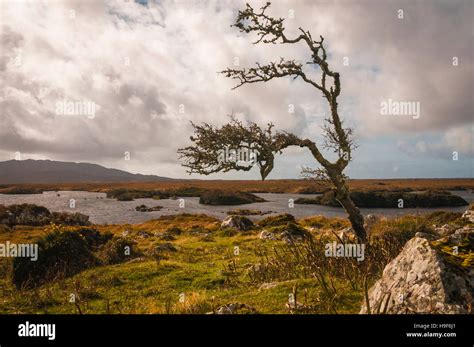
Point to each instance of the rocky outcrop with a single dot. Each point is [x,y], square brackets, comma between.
[469,215]
[427,277]
[240,223]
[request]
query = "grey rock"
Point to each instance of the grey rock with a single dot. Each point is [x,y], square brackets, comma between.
[240,223]
[469,215]
[420,280]
[446,229]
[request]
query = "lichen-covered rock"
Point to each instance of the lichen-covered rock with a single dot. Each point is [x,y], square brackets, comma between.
[240,223]
[446,229]
[425,278]
[469,215]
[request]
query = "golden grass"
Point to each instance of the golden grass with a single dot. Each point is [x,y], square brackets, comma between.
[270,186]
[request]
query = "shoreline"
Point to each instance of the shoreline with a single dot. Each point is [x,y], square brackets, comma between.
[289,186]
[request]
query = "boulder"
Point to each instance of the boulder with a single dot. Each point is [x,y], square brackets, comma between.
[469,215]
[446,229]
[423,278]
[240,223]
[291,232]
[267,235]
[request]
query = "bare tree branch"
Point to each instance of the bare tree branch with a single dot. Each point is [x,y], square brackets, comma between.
[272,30]
[208,140]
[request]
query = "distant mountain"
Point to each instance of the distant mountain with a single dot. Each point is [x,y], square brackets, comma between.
[48,171]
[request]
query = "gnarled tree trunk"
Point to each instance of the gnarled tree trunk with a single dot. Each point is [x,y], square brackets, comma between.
[355,217]
[344,198]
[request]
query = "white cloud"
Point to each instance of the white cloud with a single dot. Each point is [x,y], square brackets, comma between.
[140,63]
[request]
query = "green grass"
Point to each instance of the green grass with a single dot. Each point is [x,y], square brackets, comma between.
[207,273]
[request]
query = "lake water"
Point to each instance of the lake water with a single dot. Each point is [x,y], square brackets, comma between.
[110,211]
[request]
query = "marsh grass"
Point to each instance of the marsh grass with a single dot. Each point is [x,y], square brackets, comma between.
[209,273]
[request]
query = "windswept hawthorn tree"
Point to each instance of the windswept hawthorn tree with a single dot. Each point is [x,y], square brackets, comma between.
[203,156]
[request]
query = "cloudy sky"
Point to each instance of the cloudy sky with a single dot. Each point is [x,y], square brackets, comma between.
[151,67]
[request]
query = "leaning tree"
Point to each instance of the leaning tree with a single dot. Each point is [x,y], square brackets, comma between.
[208,141]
